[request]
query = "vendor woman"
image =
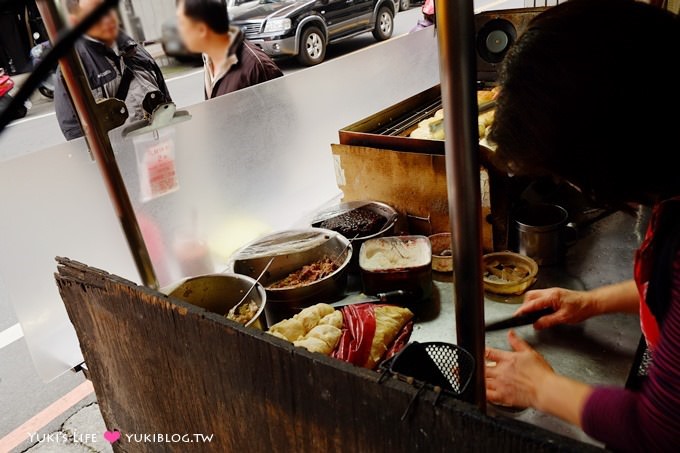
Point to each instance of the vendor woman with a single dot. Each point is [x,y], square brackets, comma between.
[587,97]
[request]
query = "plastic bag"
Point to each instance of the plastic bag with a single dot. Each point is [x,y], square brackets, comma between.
[284,243]
[357,335]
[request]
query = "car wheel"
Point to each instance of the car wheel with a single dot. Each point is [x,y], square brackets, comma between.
[404,5]
[384,24]
[312,47]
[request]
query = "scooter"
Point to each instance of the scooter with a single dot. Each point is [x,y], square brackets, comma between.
[6,85]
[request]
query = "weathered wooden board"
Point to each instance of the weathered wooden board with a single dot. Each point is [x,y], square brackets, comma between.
[159,365]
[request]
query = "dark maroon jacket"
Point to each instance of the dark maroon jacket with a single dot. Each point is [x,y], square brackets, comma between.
[253,67]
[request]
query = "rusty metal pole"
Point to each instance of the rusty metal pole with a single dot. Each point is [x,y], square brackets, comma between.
[457,59]
[97,138]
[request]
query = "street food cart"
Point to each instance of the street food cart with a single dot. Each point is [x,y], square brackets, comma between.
[257,161]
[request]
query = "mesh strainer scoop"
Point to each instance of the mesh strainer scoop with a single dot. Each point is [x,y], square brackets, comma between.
[438,364]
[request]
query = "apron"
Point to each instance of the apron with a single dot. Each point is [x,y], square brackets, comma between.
[644,263]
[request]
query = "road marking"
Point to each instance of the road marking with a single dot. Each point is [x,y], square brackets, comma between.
[9,336]
[31,118]
[184,76]
[44,417]
[489,6]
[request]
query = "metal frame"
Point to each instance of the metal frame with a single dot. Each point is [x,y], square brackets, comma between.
[93,118]
[457,59]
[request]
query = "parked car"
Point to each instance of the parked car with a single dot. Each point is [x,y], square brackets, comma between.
[301,28]
[403,5]
[304,28]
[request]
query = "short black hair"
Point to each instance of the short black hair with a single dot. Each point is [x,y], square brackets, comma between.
[72,6]
[586,96]
[213,13]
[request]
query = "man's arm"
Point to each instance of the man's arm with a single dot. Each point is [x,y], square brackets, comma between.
[66,113]
[160,80]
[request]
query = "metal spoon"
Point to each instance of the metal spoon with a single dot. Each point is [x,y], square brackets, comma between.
[235,308]
[344,249]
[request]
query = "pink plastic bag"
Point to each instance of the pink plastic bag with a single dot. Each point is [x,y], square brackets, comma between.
[428,7]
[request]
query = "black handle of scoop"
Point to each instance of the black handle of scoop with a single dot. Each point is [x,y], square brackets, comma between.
[521,320]
[391,297]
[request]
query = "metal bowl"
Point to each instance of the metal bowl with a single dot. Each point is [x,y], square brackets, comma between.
[219,293]
[286,302]
[515,259]
[442,258]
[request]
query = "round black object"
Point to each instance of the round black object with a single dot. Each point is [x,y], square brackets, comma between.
[494,39]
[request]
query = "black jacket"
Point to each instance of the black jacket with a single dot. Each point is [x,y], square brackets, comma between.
[253,67]
[100,71]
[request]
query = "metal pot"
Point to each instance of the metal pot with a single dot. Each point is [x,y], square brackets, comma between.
[543,232]
[285,302]
[387,212]
[218,293]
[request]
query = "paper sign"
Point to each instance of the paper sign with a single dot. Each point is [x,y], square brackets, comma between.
[156,164]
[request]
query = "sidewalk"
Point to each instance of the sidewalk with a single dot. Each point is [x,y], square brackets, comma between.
[82,432]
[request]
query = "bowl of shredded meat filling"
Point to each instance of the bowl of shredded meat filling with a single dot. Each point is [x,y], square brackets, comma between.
[309,266]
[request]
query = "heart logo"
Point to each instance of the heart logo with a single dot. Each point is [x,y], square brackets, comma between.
[111,436]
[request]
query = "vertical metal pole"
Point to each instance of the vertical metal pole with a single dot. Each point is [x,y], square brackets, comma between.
[457,57]
[100,145]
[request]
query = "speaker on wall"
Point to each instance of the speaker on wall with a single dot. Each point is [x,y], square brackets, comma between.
[496,32]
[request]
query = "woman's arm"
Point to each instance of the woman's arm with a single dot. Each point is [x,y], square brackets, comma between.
[572,307]
[648,420]
[617,298]
[523,378]
[563,397]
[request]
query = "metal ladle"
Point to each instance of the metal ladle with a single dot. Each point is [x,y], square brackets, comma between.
[236,307]
[344,249]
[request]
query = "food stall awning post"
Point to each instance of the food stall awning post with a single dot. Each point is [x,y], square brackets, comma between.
[456,32]
[91,117]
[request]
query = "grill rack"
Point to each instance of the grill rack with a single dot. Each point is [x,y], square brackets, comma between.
[401,125]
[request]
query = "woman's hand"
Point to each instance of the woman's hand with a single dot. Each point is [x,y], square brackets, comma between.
[515,378]
[571,307]
[523,378]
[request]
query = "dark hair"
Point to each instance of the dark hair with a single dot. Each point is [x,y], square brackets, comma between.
[213,13]
[72,6]
[586,95]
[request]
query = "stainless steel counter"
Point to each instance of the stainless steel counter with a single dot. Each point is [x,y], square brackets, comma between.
[598,352]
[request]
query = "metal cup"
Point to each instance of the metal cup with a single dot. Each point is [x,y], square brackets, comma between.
[543,232]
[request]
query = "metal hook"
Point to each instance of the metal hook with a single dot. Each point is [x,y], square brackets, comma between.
[412,402]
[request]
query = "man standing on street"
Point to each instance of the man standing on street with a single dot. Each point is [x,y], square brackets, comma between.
[115,65]
[231,63]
